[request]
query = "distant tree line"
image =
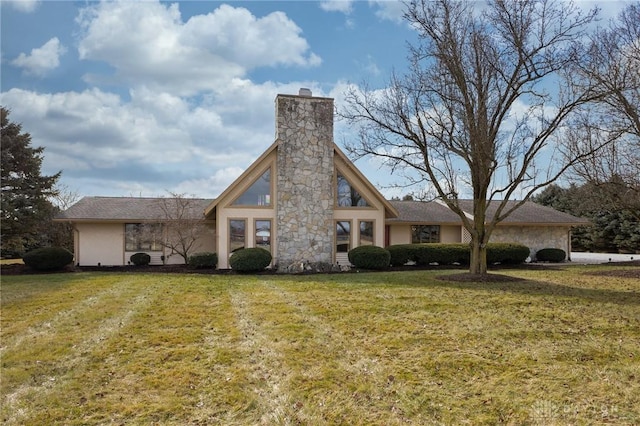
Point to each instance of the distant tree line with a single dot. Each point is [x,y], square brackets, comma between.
[613,229]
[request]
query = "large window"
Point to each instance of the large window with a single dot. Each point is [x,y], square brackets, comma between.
[258,194]
[343,236]
[366,233]
[237,234]
[143,237]
[425,234]
[347,195]
[263,234]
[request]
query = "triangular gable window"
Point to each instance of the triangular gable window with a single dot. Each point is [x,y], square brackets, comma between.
[348,196]
[258,194]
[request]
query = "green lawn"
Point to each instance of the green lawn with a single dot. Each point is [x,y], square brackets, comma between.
[562,347]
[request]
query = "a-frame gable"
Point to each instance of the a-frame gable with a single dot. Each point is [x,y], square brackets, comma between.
[246,180]
[361,184]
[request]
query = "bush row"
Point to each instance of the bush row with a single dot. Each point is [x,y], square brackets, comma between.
[448,254]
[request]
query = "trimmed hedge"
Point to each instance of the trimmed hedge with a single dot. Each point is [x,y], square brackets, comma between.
[140,259]
[203,260]
[460,253]
[48,258]
[442,254]
[369,257]
[551,255]
[250,259]
[507,253]
[401,253]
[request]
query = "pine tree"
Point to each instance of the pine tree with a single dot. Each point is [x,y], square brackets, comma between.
[25,191]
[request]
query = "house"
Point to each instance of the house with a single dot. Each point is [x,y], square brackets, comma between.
[303,200]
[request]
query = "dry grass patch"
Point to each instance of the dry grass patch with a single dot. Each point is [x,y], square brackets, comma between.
[386,348]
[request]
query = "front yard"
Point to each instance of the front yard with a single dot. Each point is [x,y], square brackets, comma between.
[559,347]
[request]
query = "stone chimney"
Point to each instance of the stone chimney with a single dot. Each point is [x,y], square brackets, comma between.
[305,228]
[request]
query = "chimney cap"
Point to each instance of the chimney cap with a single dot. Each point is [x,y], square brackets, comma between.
[305,92]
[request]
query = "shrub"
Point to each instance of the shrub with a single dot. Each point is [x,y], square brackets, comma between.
[48,258]
[369,257]
[442,254]
[140,259]
[250,259]
[203,260]
[448,254]
[551,255]
[506,253]
[400,254]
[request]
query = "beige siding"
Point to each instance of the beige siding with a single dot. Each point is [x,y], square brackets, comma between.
[450,234]
[104,243]
[401,234]
[206,243]
[100,243]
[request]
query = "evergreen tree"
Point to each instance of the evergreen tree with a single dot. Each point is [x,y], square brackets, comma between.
[25,191]
[613,227]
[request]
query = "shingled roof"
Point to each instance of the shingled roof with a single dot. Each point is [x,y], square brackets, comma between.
[528,213]
[420,211]
[148,209]
[126,208]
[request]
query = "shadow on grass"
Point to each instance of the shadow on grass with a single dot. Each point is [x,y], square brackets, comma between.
[542,288]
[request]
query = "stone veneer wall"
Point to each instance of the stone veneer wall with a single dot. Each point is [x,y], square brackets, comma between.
[305,227]
[534,237]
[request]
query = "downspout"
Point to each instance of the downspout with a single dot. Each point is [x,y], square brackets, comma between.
[76,244]
[569,245]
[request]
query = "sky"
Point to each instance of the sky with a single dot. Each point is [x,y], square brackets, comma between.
[142,98]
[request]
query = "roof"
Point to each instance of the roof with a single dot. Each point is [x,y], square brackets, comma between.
[146,209]
[421,211]
[126,208]
[528,213]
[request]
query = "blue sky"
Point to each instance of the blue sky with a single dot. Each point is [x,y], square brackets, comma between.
[141,98]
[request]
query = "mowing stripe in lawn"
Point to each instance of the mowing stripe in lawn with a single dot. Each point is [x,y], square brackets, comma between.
[269,380]
[48,376]
[48,325]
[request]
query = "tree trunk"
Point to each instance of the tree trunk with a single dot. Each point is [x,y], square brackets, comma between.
[478,265]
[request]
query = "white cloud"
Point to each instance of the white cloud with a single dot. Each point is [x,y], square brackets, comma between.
[148,43]
[26,6]
[41,59]
[391,10]
[343,6]
[154,141]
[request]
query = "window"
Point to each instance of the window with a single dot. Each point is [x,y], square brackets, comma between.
[143,237]
[263,234]
[366,233]
[347,195]
[425,234]
[343,236]
[237,234]
[258,194]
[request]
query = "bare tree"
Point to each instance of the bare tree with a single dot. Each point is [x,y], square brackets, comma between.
[60,234]
[477,108]
[611,66]
[183,224]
